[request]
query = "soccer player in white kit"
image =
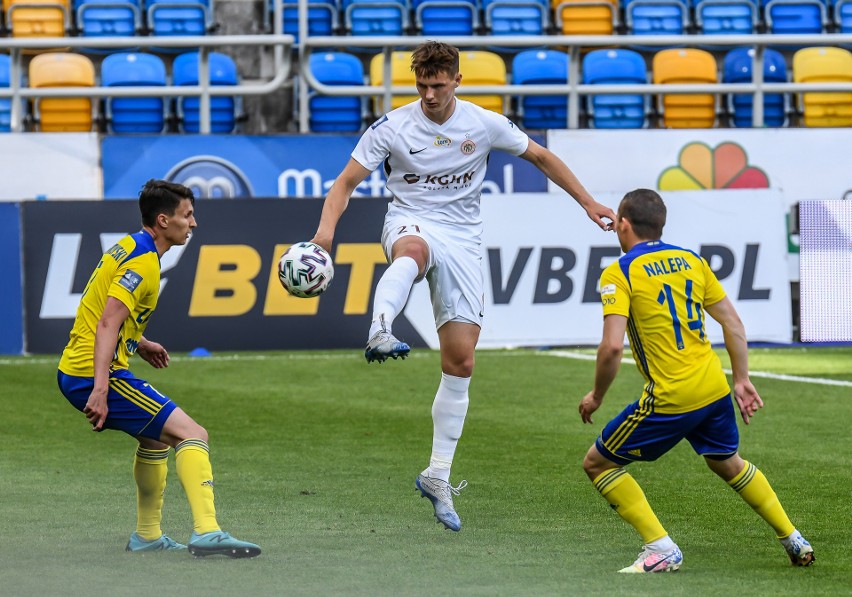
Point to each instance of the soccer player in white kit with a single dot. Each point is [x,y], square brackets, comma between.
[434,152]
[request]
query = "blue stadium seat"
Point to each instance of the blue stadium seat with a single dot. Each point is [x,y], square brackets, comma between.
[322,17]
[375,17]
[737,68]
[336,113]
[223,71]
[795,16]
[134,114]
[516,17]
[726,17]
[843,16]
[542,67]
[446,17]
[108,18]
[5,103]
[613,67]
[656,17]
[179,17]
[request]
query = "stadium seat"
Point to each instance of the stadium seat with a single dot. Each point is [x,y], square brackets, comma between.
[656,17]
[179,17]
[726,17]
[445,17]
[585,17]
[795,16]
[542,67]
[482,68]
[336,113]
[6,102]
[819,65]
[62,69]
[375,17]
[401,76]
[516,17]
[134,114]
[737,68]
[108,18]
[843,16]
[614,67]
[223,71]
[37,18]
[683,65]
[322,17]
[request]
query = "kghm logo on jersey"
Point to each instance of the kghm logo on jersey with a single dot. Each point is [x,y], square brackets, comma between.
[411,178]
[442,141]
[467,147]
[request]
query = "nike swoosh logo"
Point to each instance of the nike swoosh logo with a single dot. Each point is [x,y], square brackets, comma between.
[412,152]
[655,565]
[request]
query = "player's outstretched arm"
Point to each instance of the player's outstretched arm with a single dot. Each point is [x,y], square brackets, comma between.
[557,171]
[748,400]
[337,201]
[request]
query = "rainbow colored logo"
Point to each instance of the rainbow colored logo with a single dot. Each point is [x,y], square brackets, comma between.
[701,167]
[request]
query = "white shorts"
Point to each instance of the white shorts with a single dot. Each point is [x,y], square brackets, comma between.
[454,270]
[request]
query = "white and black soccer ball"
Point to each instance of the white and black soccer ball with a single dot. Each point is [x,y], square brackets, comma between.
[305,270]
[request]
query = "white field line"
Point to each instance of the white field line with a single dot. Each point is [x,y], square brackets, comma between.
[349,355]
[780,376]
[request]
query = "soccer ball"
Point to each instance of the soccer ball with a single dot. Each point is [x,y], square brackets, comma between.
[305,270]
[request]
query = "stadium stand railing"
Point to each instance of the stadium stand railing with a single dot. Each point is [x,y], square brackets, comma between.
[18,50]
[574,89]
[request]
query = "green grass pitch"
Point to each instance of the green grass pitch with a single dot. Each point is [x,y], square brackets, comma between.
[315,456]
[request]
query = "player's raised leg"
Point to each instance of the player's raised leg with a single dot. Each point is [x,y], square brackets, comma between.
[753,487]
[195,472]
[449,409]
[410,255]
[625,496]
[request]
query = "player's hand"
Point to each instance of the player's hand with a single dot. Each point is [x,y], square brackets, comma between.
[597,212]
[588,405]
[747,399]
[154,354]
[96,409]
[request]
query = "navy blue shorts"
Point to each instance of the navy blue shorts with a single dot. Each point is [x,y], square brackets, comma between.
[134,406]
[636,434]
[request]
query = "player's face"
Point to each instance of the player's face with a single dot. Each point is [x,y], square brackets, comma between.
[438,95]
[179,226]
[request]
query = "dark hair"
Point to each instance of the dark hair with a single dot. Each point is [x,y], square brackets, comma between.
[161,197]
[645,211]
[433,57]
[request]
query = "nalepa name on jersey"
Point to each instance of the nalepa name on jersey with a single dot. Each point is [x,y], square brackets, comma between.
[436,170]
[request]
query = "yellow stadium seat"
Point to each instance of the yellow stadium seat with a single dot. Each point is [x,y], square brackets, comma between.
[683,65]
[482,68]
[585,17]
[37,18]
[477,68]
[820,65]
[60,69]
[401,75]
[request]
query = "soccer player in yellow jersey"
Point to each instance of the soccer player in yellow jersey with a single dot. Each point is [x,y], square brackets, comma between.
[94,376]
[659,294]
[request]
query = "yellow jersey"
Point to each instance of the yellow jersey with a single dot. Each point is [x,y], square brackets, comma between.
[662,290]
[130,272]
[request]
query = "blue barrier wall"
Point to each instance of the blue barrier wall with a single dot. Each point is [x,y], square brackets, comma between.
[11,302]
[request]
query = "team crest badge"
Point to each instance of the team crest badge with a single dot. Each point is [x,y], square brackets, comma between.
[467,147]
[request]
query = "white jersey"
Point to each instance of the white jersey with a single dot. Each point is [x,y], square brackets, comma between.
[435,171]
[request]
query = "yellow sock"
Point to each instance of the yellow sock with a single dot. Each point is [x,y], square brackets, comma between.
[753,487]
[626,497]
[149,470]
[192,457]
